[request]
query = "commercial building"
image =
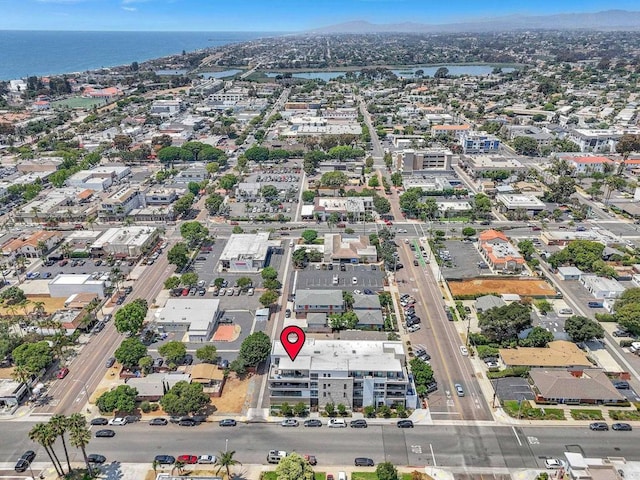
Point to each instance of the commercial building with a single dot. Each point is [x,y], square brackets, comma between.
[99,178]
[557,354]
[12,392]
[195,318]
[64,285]
[318,301]
[574,386]
[131,241]
[508,202]
[601,287]
[30,246]
[495,248]
[119,205]
[542,138]
[569,273]
[349,208]
[343,249]
[354,373]
[409,161]
[165,108]
[587,165]
[247,252]
[478,165]
[196,172]
[478,142]
[452,130]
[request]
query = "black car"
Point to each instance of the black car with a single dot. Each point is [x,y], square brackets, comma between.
[132,418]
[598,426]
[313,422]
[413,321]
[120,300]
[25,461]
[199,418]
[187,422]
[187,359]
[622,426]
[368,292]
[363,462]
[621,385]
[158,421]
[223,364]
[95,458]
[110,362]
[227,422]
[359,423]
[105,433]
[128,290]
[99,421]
[165,459]
[405,424]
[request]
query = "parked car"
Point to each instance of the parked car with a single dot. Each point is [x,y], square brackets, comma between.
[313,422]
[110,362]
[405,424]
[118,421]
[207,459]
[289,422]
[598,426]
[158,421]
[554,463]
[99,421]
[95,458]
[105,433]
[621,426]
[187,422]
[227,422]
[358,423]
[622,385]
[363,462]
[336,423]
[63,372]
[165,459]
[188,459]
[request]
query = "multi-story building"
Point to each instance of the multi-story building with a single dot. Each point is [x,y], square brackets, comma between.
[118,205]
[498,252]
[354,373]
[165,108]
[351,208]
[410,161]
[131,241]
[589,164]
[478,142]
[247,252]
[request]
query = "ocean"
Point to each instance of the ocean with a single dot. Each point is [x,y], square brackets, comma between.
[24,53]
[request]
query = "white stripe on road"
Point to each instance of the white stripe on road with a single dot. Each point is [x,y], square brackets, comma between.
[516,434]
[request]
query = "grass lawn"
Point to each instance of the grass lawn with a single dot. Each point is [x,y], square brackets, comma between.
[587,415]
[513,408]
[364,476]
[272,476]
[624,414]
[79,102]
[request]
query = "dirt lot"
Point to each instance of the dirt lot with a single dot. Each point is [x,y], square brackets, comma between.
[233,395]
[50,305]
[523,287]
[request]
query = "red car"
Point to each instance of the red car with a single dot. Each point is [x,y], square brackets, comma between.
[63,372]
[188,459]
[185,292]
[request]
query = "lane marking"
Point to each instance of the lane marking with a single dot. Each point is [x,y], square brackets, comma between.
[516,434]
[433,456]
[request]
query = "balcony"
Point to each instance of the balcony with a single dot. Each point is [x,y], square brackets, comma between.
[288,385]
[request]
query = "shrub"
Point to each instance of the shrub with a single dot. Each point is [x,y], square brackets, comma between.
[485,351]
[154,407]
[145,407]
[509,372]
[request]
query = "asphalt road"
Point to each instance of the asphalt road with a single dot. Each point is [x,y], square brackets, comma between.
[444,446]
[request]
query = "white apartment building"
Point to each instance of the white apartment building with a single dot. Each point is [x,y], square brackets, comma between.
[118,205]
[354,373]
[410,161]
[165,108]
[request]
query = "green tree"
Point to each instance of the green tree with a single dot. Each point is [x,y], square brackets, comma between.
[255,348]
[228,181]
[185,398]
[129,319]
[268,298]
[581,253]
[194,188]
[183,204]
[173,351]
[245,282]
[257,154]
[42,434]
[442,72]
[561,191]
[193,232]
[130,351]
[309,236]
[80,436]
[300,409]
[386,471]
[396,179]
[334,179]
[374,181]
[121,399]
[189,279]
[381,204]
[582,329]
[168,156]
[171,282]
[544,306]
[525,146]
[178,255]
[468,231]
[12,295]
[422,374]
[207,354]
[225,461]
[481,206]
[308,196]
[501,324]
[269,273]
[269,192]
[538,337]
[213,203]
[58,425]
[294,467]
[33,356]
[527,249]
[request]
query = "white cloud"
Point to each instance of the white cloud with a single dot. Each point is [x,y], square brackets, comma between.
[61,1]
[130,9]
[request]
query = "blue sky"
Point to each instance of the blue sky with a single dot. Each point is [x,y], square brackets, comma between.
[266,15]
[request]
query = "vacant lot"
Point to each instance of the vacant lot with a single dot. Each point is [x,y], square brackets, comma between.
[50,305]
[233,395]
[524,287]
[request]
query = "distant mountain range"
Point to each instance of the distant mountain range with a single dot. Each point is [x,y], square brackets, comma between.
[607,20]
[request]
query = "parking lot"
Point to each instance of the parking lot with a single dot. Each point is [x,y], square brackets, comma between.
[464,260]
[88,267]
[313,277]
[579,293]
[552,322]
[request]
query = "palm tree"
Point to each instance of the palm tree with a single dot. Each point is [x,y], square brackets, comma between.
[225,460]
[80,436]
[22,373]
[41,433]
[155,464]
[179,465]
[59,425]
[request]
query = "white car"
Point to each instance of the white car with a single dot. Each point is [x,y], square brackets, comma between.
[207,459]
[357,292]
[354,280]
[289,422]
[118,421]
[554,463]
[337,423]
[413,328]
[463,350]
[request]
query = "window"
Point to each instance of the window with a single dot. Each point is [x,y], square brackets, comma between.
[345,386]
[324,394]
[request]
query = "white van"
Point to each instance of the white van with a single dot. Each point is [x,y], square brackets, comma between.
[335,280]
[342,476]
[337,423]
[274,456]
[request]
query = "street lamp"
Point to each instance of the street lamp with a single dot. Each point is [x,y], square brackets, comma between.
[226,445]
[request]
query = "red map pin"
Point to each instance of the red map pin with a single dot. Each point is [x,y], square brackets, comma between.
[292,339]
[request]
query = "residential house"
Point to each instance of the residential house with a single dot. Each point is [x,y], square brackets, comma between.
[557,354]
[318,301]
[152,387]
[487,302]
[369,312]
